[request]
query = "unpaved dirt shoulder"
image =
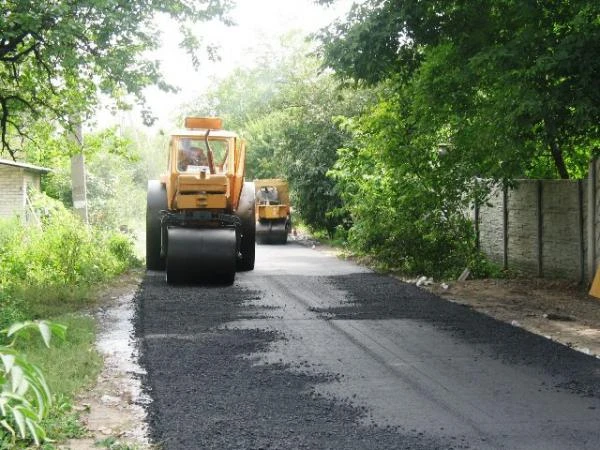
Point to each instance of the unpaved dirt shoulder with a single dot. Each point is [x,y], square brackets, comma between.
[557,310]
[112,410]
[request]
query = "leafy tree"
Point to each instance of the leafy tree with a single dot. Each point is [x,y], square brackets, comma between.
[288,111]
[309,142]
[117,168]
[513,82]
[57,57]
[404,196]
[251,92]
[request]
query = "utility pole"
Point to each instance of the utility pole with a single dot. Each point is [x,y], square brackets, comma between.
[78,181]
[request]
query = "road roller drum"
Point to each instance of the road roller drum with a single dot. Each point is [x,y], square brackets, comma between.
[272,232]
[197,255]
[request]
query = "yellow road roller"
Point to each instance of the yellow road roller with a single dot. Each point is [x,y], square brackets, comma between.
[200,217]
[273,217]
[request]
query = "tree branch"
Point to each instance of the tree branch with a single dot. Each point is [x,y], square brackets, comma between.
[12,44]
[4,129]
[559,161]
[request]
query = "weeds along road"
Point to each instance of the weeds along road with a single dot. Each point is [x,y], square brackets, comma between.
[308,351]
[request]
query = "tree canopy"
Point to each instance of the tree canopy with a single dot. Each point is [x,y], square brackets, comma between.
[288,112]
[57,56]
[513,83]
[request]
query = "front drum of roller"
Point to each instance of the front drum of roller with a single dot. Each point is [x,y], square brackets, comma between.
[201,255]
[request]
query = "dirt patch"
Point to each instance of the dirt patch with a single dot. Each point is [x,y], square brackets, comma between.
[558,310]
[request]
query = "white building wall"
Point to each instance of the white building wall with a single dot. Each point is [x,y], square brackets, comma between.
[14,185]
[12,196]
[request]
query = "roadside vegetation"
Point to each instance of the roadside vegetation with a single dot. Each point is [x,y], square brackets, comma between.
[50,272]
[58,61]
[403,115]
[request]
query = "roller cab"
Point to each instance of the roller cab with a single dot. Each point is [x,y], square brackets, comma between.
[273,213]
[200,216]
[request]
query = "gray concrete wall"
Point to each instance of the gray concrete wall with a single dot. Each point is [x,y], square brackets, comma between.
[523,226]
[548,228]
[561,232]
[491,240]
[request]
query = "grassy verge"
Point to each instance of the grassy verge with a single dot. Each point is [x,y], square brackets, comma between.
[69,366]
[51,273]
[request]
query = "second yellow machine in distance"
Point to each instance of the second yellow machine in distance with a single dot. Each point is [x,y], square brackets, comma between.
[200,218]
[273,216]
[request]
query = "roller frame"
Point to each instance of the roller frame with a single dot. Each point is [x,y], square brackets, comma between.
[199,219]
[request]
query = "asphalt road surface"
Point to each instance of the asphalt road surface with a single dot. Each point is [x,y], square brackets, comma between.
[311,352]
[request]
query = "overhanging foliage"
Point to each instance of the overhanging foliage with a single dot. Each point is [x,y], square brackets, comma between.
[513,82]
[57,56]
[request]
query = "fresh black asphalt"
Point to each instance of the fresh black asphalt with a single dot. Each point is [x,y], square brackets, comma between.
[212,388]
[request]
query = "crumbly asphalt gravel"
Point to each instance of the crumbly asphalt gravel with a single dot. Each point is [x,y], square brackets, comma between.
[208,392]
[211,390]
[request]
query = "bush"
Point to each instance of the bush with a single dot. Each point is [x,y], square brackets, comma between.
[407,204]
[60,255]
[11,311]
[122,248]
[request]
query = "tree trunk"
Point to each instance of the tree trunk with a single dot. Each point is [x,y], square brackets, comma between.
[558,160]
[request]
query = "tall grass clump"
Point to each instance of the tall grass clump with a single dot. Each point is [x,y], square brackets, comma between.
[57,260]
[25,399]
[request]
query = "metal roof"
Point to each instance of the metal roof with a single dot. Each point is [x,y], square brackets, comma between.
[30,167]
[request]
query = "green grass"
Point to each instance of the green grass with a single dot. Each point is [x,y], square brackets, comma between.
[63,422]
[50,303]
[69,365]
[53,273]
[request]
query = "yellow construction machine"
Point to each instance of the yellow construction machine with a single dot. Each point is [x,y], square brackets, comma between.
[200,217]
[273,216]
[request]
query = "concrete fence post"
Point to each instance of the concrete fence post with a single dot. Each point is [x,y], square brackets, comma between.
[505,225]
[540,227]
[78,176]
[476,213]
[581,224]
[592,187]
